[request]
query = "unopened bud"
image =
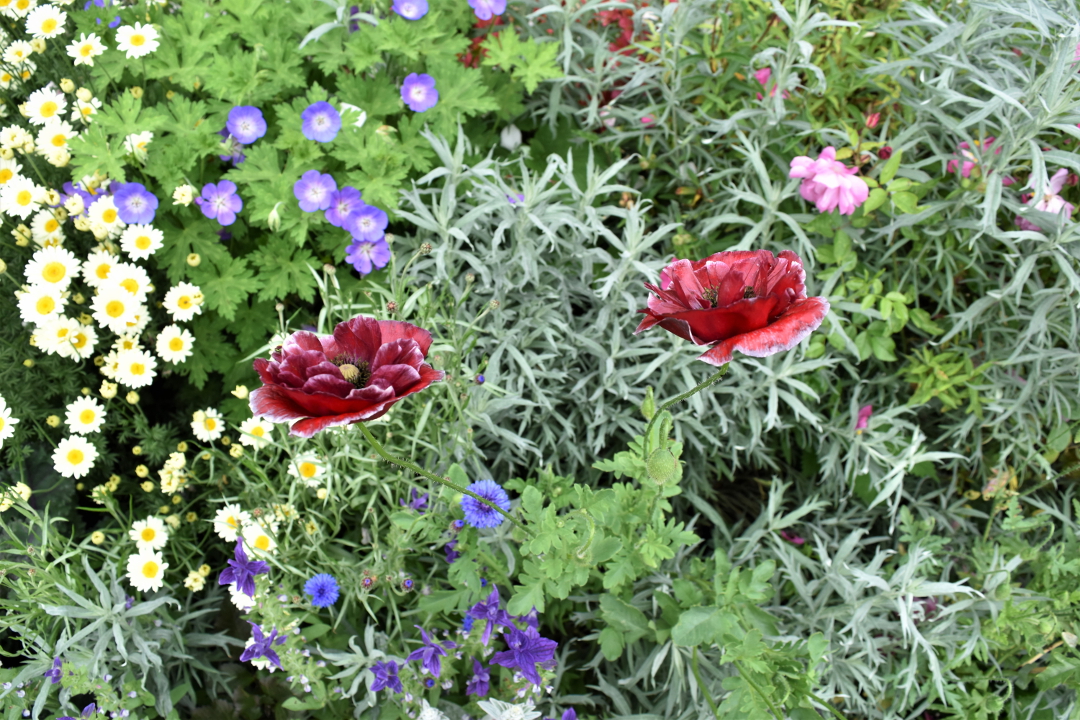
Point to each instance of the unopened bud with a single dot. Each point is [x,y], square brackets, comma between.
[329,269]
[425,248]
[194,259]
[494,304]
[84,94]
[470,278]
[38,44]
[391,306]
[66,85]
[273,220]
[136,92]
[662,466]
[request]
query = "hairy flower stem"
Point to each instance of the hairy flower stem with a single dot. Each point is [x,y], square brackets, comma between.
[704,691]
[431,476]
[711,380]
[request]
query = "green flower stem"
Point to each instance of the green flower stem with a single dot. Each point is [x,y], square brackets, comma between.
[704,691]
[827,705]
[711,380]
[431,476]
[755,688]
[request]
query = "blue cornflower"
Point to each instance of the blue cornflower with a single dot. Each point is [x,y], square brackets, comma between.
[419,93]
[135,204]
[367,223]
[366,257]
[246,123]
[480,379]
[263,645]
[55,673]
[407,584]
[220,202]
[314,190]
[429,654]
[410,9]
[457,525]
[477,513]
[484,9]
[343,203]
[489,611]
[242,571]
[386,676]
[323,589]
[480,683]
[527,650]
[419,502]
[321,122]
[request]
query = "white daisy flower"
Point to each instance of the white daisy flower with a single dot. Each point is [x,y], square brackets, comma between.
[110,366]
[207,425]
[9,168]
[17,52]
[46,21]
[137,40]
[138,324]
[85,49]
[21,196]
[257,540]
[127,341]
[174,344]
[85,415]
[83,110]
[81,343]
[229,521]
[54,136]
[141,241]
[52,266]
[136,144]
[136,368]
[240,600]
[20,8]
[103,212]
[74,457]
[97,267]
[114,307]
[44,105]
[13,137]
[47,230]
[149,534]
[183,301]
[54,333]
[308,468]
[255,433]
[7,423]
[146,571]
[40,303]
[132,278]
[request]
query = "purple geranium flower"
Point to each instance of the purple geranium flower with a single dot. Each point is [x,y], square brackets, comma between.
[246,123]
[55,673]
[480,682]
[410,9]
[263,645]
[489,611]
[429,654]
[114,23]
[135,204]
[367,223]
[343,203]
[484,9]
[321,122]
[527,650]
[386,676]
[233,147]
[314,190]
[419,502]
[242,571]
[419,93]
[477,513]
[220,201]
[368,256]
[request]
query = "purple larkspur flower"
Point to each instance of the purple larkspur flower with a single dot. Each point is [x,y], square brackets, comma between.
[570,714]
[430,652]
[321,122]
[419,93]
[451,553]
[55,673]
[480,683]
[477,513]
[410,9]
[220,202]
[135,204]
[531,618]
[366,257]
[418,502]
[485,9]
[386,677]
[367,223]
[343,203]
[246,123]
[314,190]
[354,25]
[242,571]
[263,645]
[323,589]
[527,650]
[490,612]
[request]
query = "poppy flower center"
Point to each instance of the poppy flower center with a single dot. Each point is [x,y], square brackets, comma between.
[710,295]
[748,292]
[358,374]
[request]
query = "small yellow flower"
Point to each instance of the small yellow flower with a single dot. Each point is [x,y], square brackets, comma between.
[132,397]
[194,581]
[97,537]
[147,486]
[181,446]
[142,471]
[137,450]
[236,451]
[53,421]
[321,493]
[85,391]
[204,570]
[28,363]
[310,527]
[137,92]
[194,259]
[176,499]
[226,441]
[191,517]
[240,391]
[164,510]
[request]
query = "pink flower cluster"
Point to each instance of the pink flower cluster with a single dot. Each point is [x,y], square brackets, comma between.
[829,183]
[762,76]
[970,161]
[1051,201]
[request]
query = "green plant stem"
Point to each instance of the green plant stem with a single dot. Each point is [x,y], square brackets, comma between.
[827,705]
[431,476]
[755,688]
[697,676]
[712,379]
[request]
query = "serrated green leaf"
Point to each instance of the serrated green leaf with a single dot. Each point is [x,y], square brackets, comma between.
[225,284]
[284,269]
[697,626]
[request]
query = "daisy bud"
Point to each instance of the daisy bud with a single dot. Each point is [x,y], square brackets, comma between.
[29,147]
[164,510]
[321,493]
[97,537]
[137,92]
[194,259]
[173,520]
[24,111]
[132,398]
[82,223]
[176,500]
[191,517]
[33,341]
[21,233]
[66,85]
[147,486]
[240,392]
[3,267]
[108,390]
[38,44]
[84,94]
[181,446]
[60,159]
[74,205]
[85,319]
[142,471]
[7,153]
[53,421]
[85,391]
[235,451]
[205,570]
[137,450]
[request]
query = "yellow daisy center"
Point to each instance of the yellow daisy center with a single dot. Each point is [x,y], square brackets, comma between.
[6,175]
[87,416]
[114,309]
[86,50]
[150,569]
[138,40]
[79,341]
[258,431]
[49,25]
[75,457]
[308,469]
[25,197]
[130,285]
[59,140]
[61,333]
[184,302]
[48,108]
[148,534]
[45,305]
[142,242]
[232,522]
[54,272]
[210,424]
[109,215]
[51,224]
[262,542]
[102,270]
[138,369]
[176,344]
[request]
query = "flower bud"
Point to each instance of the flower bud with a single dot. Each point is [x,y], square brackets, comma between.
[872,120]
[662,466]
[147,486]
[273,220]
[510,137]
[53,421]
[7,153]
[66,85]
[240,392]
[107,390]
[28,363]
[3,267]
[425,248]
[142,471]
[132,398]
[194,259]
[84,94]
[137,450]
[137,92]
[391,307]
[38,44]
[885,153]
[97,537]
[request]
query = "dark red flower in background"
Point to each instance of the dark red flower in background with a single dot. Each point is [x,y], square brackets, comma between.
[352,376]
[750,301]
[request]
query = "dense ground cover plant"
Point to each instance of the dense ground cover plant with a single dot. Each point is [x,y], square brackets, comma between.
[322,395]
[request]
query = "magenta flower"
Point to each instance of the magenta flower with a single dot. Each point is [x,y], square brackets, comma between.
[343,203]
[366,257]
[410,9]
[763,75]
[971,161]
[863,420]
[485,9]
[419,93]
[1051,202]
[246,124]
[314,191]
[220,202]
[321,122]
[792,538]
[367,224]
[829,183]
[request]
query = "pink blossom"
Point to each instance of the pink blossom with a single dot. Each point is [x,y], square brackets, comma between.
[970,159]
[792,537]
[872,120]
[829,183]
[1051,201]
[863,420]
[763,75]
[647,120]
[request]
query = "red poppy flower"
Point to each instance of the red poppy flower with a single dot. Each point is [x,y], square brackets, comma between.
[748,301]
[352,376]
